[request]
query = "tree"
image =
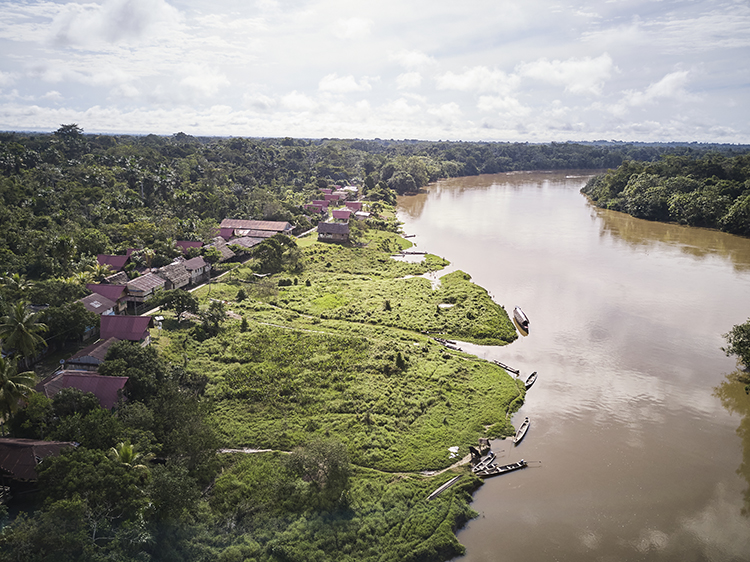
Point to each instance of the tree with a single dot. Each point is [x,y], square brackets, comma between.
[125,453]
[14,388]
[19,331]
[324,463]
[213,316]
[275,253]
[180,301]
[141,364]
[16,284]
[402,182]
[738,339]
[69,322]
[99,271]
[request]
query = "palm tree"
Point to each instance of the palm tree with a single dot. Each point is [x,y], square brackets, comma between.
[19,331]
[14,388]
[126,454]
[16,284]
[99,271]
[81,278]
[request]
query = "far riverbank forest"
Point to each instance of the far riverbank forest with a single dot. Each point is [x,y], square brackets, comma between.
[711,191]
[295,408]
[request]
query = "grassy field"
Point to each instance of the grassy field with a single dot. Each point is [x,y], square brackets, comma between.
[337,353]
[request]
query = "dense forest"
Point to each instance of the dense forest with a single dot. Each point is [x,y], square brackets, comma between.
[711,191]
[67,196]
[320,360]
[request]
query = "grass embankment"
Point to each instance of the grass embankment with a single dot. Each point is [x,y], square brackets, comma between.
[339,356]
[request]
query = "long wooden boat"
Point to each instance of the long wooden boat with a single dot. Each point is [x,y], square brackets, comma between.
[531,380]
[521,431]
[496,470]
[485,463]
[506,367]
[521,318]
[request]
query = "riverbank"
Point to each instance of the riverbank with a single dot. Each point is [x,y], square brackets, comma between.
[335,354]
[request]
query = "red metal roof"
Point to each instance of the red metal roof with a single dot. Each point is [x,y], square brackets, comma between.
[106,389]
[115,262]
[184,245]
[20,457]
[112,292]
[341,213]
[133,328]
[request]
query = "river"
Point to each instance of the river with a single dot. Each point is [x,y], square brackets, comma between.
[633,418]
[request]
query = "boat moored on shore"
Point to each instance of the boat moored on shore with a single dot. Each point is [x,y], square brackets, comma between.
[521,318]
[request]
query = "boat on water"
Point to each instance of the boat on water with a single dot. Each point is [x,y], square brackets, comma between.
[494,470]
[506,367]
[521,431]
[485,463]
[531,380]
[521,318]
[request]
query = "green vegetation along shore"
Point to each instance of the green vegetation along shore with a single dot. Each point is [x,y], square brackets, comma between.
[324,366]
[318,358]
[711,191]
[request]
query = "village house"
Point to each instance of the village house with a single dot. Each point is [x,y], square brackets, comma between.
[199,269]
[313,208]
[108,390]
[175,276]
[221,244]
[333,232]
[116,293]
[185,245]
[119,278]
[274,227]
[143,288]
[89,358]
[131,328]
[341,214]
[116,263]
[98,304]
[20,457]
[354,205]
[246,242]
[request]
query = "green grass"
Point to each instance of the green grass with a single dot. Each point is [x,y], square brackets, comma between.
[382,517]
[341,356]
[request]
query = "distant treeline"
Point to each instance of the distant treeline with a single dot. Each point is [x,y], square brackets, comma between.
[711,191]
[67,196]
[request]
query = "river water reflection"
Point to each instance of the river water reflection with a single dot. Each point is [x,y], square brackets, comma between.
[633,419]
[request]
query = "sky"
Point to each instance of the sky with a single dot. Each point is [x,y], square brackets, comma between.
[489,70]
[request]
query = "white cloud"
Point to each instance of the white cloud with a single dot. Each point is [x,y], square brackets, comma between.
[412,59]
[336,84]
[6,79]
[260,102]
[203,80]
[670,87]
[352,28]
[578,75]
[299,102]
[504,105]
[114,21]
[408,80]
[450,112]
[478,79]
[53,95]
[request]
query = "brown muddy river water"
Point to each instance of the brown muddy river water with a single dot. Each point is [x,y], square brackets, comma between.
[637,427]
